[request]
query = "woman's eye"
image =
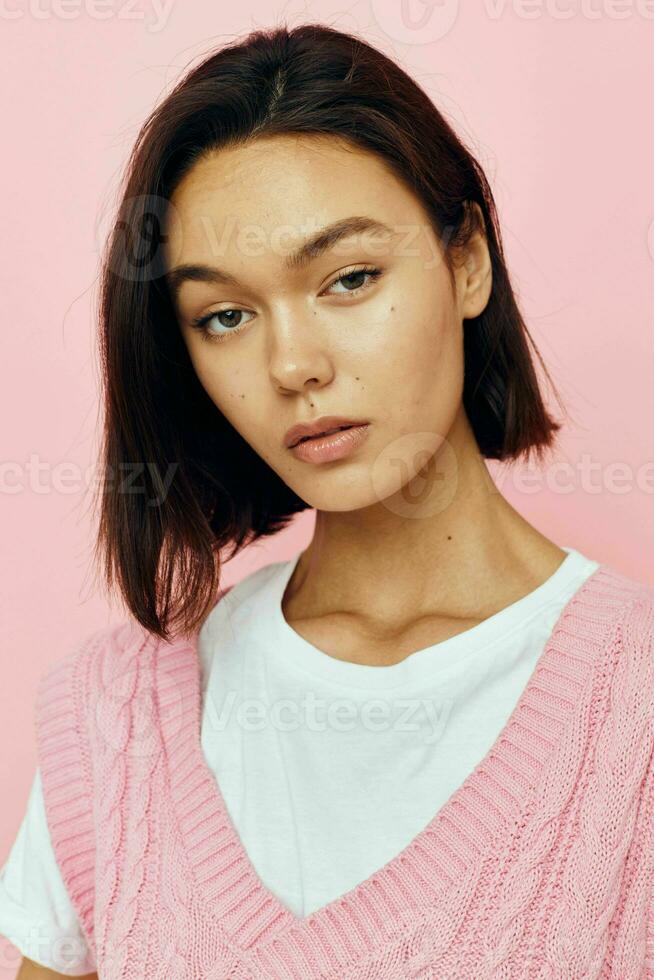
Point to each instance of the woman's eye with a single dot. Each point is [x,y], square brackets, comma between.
[354,281]
[230,323]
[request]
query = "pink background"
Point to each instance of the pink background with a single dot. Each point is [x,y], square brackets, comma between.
[555,100]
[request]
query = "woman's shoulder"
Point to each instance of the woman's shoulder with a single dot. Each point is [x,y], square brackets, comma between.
[113,648]
[625,603]
[89,649]
[630,597]
[620,606]
[637,626]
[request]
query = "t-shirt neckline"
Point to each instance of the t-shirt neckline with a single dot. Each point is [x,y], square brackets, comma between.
[442,658]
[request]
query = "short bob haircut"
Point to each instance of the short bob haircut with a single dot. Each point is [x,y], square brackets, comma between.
[178,483]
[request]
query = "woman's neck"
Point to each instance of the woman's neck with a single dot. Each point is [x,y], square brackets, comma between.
[457,558]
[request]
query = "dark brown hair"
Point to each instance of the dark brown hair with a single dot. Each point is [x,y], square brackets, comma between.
[162,538]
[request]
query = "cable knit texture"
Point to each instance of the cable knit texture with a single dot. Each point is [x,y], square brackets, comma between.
[541,864]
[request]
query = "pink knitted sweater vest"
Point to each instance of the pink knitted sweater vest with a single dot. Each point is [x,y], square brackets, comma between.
[541,865]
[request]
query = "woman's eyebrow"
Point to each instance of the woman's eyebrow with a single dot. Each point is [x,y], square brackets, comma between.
[310,249]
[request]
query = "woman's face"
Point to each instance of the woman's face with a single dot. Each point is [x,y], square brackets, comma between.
[287,343]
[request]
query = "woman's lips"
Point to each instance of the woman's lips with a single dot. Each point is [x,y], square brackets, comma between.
[325,448]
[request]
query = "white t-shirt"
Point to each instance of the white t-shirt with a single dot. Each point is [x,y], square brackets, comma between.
[310,751]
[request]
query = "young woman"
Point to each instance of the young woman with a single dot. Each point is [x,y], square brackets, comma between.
[422,746]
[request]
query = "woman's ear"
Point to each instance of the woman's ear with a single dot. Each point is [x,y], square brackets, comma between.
[474,274]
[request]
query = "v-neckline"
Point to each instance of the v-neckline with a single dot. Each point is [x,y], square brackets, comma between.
[440,855]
